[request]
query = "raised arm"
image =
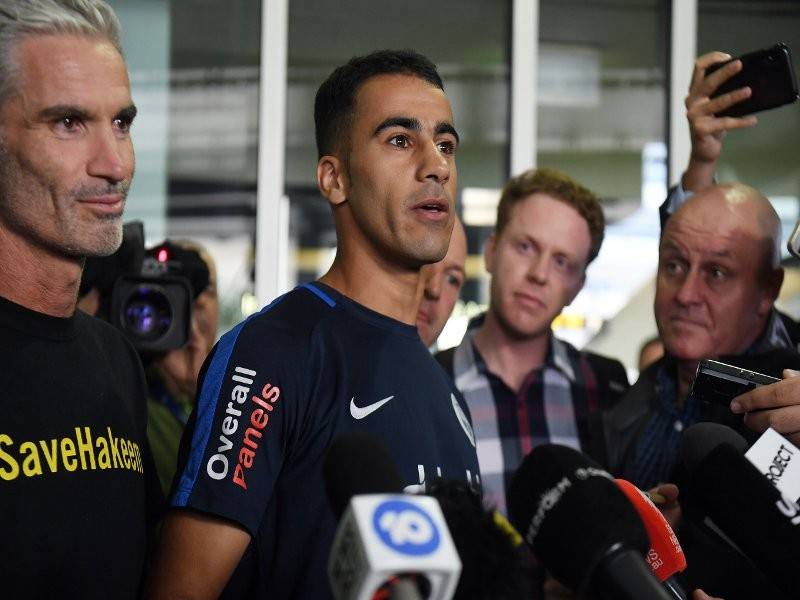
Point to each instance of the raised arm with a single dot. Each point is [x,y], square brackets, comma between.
[707,130]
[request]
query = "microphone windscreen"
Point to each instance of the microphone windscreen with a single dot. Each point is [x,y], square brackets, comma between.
[751,512]
[356,463]
[571,512]
[493,566]
[665,557]
[700,439]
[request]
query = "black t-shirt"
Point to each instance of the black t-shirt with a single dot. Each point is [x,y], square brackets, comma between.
[276,391]
[74,506]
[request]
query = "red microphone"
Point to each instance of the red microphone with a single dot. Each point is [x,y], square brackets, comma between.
[665,557]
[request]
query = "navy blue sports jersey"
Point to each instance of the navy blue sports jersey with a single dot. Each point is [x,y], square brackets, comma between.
[275,393]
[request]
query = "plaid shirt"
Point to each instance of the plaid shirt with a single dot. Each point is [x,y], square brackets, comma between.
[553,405]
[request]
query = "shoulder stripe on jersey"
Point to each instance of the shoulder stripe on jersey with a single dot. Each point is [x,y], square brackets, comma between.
[319,293]
[207,406]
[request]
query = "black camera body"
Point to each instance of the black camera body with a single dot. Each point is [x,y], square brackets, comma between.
[147,294]
[153,309]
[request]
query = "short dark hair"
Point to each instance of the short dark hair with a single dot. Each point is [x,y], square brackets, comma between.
[335,100]
[561,187]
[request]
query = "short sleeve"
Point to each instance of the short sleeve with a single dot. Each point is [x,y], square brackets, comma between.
[241,428]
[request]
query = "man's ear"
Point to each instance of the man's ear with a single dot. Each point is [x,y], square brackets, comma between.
[489,249]
[771,289]
[332,179]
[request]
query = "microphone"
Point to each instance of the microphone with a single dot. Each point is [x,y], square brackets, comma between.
[495,564]
[779,460]
[387,545]
[581,526]
[356,463]
[742,503]
[665,557]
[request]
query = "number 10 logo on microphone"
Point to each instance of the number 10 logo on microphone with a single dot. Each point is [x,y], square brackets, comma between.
[405,528]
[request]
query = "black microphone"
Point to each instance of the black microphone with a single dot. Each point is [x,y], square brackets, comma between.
[581,526]
[357,462]
[493,557]
[742,503]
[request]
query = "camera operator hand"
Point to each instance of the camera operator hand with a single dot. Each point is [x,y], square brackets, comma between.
[776,405]
[707,131]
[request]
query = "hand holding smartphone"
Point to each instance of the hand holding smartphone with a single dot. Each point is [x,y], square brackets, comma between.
[719,382]
[768,73]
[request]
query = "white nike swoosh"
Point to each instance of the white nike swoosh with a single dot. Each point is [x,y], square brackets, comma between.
[359,412]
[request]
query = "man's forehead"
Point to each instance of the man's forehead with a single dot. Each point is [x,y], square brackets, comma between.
[721,239]
[543,210]
[401,95]
[67,69]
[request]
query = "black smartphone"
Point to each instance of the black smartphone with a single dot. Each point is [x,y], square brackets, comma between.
[769,74]
[720,383]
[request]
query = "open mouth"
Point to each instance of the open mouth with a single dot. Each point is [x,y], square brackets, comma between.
[432,209]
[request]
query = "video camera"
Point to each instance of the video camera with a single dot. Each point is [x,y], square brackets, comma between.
[147,294]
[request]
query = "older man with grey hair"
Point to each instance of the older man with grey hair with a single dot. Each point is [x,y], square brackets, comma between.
[74,460]
[718,277]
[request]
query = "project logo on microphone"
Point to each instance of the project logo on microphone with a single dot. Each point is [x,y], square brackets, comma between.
[406,528]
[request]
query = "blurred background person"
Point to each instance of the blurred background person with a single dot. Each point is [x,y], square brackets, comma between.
[172,375]
[442,283]
[523,385]
[718,277]
[171,372]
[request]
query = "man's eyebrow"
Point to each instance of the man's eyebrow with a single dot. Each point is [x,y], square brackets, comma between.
[60,111]
[63,110]
[445,127]
[413,124]
[720,253]
[404,122]
[670,245]
[129,112]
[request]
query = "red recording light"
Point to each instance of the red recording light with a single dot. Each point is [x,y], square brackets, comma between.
[162,255]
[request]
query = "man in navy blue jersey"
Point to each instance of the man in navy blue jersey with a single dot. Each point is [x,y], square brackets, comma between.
[250,517]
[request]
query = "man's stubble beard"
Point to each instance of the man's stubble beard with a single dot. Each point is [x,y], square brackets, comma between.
[104,240]
[410,254]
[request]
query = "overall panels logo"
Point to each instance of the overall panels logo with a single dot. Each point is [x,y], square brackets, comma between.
[405,528]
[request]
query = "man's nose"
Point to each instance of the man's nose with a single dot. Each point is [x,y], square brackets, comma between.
[689,288]
[434,164]
[111,157]
[433,285]
[539,268]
